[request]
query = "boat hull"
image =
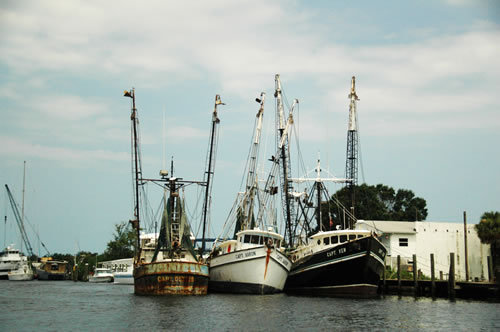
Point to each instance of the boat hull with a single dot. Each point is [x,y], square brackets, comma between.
[171,278]
[44,275]
[351,269]
[101,279]
[123,278]
[21,276]
[257,270]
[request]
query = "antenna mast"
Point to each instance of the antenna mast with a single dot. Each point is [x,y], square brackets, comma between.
[351,166]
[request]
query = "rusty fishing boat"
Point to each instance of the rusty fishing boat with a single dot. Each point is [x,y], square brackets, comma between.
[168,263]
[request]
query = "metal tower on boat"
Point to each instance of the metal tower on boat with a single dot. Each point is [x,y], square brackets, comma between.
[351,167]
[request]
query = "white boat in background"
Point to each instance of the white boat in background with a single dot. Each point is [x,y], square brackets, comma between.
[102,275]
[122,270]
[23,272]
[125,277]
[9,260]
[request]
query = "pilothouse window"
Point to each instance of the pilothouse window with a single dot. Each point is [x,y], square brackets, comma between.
[335,239]
[255,239]
[326,240]
[352,236]
[247,239]
[343,238]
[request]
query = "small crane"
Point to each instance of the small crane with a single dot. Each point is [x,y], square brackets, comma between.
[19,221]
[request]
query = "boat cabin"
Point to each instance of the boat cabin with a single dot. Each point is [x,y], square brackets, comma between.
[326,240]
[256,237]
[250,238]
[52,266]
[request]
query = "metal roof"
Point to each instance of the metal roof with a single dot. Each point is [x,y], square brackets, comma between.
[400,227]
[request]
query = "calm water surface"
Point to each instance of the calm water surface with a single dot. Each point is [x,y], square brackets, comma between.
[65,305]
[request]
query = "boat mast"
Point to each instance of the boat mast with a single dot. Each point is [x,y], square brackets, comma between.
[137,173]
[352,147]
[209,172]
[318,198]
[251,184]
[285,166]
[22,206]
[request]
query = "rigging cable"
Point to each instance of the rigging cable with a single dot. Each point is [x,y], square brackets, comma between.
[359,147]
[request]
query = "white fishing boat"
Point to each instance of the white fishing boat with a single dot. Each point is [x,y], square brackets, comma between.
[252,261]
[102,275]
[23,272]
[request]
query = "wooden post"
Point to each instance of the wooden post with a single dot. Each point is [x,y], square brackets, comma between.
[399,274]
[440,275]
[451,277]
[490,269]
[86,276]
[466,249]
[433,277]
[384,284]
[415,273]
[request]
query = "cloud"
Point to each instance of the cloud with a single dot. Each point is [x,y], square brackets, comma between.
[240,47]
[12,146]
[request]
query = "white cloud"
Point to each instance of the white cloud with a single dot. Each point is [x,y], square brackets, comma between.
[12,146]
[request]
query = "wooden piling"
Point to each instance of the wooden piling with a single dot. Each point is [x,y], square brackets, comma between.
[451,277]
[399,274]
[384,282]
[415,273]
[490,269]
[433,278]
[466,249]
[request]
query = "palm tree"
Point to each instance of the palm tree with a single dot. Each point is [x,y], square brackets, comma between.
[488,231]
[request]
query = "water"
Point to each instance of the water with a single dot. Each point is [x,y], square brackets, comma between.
[65,305]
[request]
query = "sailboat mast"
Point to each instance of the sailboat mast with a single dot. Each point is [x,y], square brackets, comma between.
[215,121]
[22,207]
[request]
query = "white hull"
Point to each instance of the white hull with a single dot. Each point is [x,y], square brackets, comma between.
[254,270]
[123,278]
[101,279]
[21,275]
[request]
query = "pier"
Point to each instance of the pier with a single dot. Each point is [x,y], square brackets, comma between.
[449,288]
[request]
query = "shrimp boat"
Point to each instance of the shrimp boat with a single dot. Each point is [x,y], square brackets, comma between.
[168,264]
[253,262]
[327,260]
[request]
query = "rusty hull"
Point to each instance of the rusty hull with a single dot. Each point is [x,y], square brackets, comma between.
[171,278]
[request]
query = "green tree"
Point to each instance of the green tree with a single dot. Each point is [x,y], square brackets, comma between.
[122,246]
[488,228]
[378,202]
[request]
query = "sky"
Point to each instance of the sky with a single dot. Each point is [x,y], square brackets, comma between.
[427,75]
